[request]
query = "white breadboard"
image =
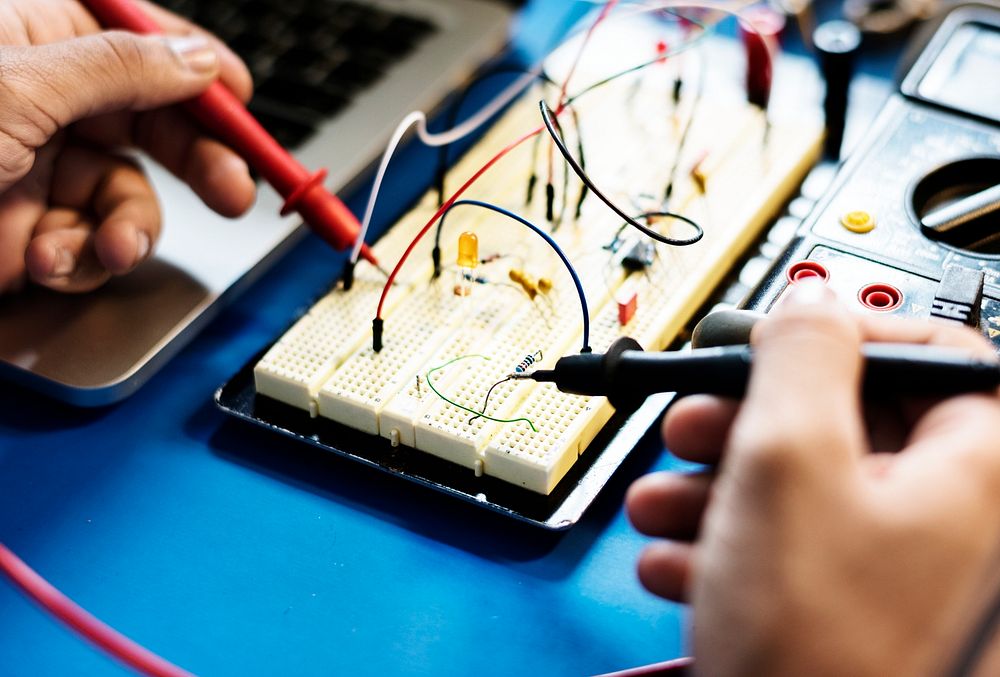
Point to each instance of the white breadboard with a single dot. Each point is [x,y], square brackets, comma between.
[325,364]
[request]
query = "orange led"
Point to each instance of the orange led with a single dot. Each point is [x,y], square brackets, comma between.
[468,250]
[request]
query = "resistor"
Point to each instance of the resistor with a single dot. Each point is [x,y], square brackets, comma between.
[528,360]
[527,283]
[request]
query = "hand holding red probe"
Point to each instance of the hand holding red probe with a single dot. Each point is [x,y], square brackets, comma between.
[220,112]
[74,212]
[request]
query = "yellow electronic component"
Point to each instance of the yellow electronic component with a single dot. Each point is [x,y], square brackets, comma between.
[699,175]
[468,251]
[527,283]
[544,285]
[858,221]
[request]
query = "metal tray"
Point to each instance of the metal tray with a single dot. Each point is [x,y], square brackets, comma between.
[556,512]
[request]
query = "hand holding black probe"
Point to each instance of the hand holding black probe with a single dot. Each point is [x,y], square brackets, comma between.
[627,376]
[829,534]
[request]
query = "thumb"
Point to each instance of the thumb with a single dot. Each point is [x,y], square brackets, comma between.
[802,408]
[51,86]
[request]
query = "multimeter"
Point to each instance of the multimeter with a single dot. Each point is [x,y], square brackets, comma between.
[911,224]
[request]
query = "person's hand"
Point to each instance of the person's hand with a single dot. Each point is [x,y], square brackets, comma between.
[829,538]
[72,211]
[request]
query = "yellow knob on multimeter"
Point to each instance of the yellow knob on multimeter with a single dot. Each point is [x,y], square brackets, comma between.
[858,221]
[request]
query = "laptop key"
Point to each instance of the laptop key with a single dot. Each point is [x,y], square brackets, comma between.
[307,57]
[289,133]
[285,91]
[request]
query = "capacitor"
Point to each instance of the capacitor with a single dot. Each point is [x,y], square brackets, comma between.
[468,251]
[627,308]
[760,27]
[837,44]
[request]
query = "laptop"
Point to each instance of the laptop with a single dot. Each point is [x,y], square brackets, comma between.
[333,78]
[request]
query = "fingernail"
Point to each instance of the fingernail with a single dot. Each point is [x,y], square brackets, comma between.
[64,264]
[142,246]
[809,292]
[196,53]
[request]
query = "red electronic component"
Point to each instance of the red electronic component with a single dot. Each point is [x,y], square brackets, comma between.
[626,309]
[760,27]
[661,50]
[227,118]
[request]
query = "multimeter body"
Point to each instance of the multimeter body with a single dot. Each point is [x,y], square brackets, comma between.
[876,236]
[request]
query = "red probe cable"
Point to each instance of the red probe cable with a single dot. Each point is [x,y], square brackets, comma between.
[63,608]
[221,113]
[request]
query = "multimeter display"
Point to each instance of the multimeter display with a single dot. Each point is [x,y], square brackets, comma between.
[966,74]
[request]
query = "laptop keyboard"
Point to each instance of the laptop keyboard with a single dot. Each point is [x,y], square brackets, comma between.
[308,58]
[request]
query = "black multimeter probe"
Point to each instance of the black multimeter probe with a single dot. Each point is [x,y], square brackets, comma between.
[627,375]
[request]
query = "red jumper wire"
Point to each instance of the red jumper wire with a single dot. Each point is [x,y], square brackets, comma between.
[378,322]
[221,113]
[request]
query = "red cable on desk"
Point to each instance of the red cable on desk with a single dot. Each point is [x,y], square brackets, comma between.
[221,113]
[63,608]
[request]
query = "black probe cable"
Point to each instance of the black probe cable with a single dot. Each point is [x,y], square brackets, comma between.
[627,375]
[555,131]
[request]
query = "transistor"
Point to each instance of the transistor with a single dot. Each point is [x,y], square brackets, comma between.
[639,257]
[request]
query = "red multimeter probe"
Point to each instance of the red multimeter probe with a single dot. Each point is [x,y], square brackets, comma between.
[221,113]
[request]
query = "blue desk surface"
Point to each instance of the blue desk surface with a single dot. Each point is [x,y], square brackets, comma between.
[230,551]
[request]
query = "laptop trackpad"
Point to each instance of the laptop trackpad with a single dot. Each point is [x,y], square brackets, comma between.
[97,339]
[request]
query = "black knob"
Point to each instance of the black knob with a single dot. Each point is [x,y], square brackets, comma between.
[837,44]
